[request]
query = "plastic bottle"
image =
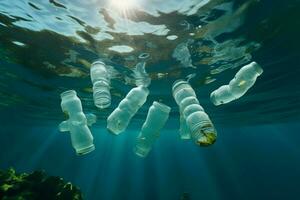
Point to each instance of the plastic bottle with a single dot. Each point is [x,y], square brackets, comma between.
[185,132]
[141,76]
[119,119]
[198,122]
[90,119]
[157,116]
[81,137]
[101,85]
[237,87]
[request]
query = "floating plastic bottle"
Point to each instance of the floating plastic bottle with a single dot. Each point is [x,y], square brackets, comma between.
[119,119]
[182,54]
[183,95]
[157,116]
[198,122]
[81,137]
[237,87]
[101,85]
[185,132]
[90,119]
[140,75]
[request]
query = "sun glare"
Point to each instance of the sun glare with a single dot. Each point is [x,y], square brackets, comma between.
[123,5]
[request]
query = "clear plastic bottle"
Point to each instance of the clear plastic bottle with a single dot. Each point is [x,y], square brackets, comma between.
[81,137]
[157,116]
[185,132]
[238,86]
[91,119]
[198,122]
[119,119]
[141,76]
[101,85]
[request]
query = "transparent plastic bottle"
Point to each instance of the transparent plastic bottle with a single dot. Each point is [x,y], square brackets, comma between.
[157,116]
[101,85]
[238,86]
[91,119]
[119,119]
[198,122]
[141,77]
[81,137]
[185,132]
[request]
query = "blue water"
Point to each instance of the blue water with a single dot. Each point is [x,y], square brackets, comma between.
[260,162]
[47,47]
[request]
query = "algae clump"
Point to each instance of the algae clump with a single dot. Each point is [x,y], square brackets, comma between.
[36,185]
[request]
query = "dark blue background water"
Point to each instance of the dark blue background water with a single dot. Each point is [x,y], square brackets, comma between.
[260,162]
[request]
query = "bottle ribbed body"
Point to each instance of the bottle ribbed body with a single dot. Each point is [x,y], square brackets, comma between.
[101,85]
[193,117]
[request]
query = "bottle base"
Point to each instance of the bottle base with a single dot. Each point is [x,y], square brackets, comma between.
[102,103]
[185,137]
[214,100]
[141,152]
[85,150]
[113,131]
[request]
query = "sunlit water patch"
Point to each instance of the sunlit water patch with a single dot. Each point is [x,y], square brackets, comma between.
[47,47]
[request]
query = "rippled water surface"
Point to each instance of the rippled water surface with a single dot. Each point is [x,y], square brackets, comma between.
[48,46]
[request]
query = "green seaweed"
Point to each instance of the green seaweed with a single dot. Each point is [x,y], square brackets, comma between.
[37,185]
